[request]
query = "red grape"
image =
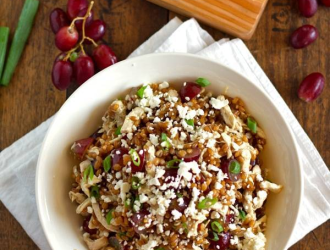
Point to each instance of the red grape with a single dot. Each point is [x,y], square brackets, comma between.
[193,156]
[74,6]
[115,244]
[58,19]
[62,74]
[138,220]
[303,36]
[311,87]
[89,19]
[222,243]
[96,30]
[139,168]
[66,38]
[117,156]
[225,169]
[180,206]
[86,227]
[83,68]
[189,91]
[307,7]
[104,56]
[81,146]
[326,2]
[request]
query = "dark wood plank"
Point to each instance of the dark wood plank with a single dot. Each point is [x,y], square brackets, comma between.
[31,98]
[286,68]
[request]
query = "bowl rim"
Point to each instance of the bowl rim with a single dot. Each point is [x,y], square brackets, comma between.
[295,153]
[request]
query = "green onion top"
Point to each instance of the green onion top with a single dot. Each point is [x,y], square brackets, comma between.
[185,227]
[107,163]
[234,167]
[179,195]
[135,183]
[89,172]
[216,227]
[215,236]
[190,122]
[203,82]
[242,215]
[135,157]
[95,192]
[128,203]
[140,92]
[118,131]
[109,216]
[206,203]
[173,163]
[252,125]
[163,137]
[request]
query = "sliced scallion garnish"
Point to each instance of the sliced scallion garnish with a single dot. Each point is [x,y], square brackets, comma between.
[107,163]
[140,92]
[118,131]
[185,227]
[216,227]
[215,236]
[89,172]
[109,216]
[179,195]
[165,140]
[190,122]
[95,192]
[206,203]
[242,214]
[234,167]
[203,82]
[252,125]
[128,203]
[173,163]
[135,183]
[135,157]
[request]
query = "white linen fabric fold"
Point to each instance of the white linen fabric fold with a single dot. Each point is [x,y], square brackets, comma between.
[18,162]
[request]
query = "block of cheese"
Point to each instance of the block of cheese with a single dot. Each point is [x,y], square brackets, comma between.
[236,17]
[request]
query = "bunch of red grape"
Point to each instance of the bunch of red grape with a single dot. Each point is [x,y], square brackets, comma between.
[76,29]
[311,87]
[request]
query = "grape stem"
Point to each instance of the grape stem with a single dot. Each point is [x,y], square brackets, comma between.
[84,37]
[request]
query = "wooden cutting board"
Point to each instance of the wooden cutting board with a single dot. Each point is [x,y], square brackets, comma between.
[236,17]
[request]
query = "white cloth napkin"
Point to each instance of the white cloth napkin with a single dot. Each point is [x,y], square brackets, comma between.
[18,162]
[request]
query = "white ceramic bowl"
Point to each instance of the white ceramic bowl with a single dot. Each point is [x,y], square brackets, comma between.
[81,114]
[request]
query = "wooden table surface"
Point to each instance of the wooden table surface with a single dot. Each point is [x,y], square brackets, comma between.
[31,98]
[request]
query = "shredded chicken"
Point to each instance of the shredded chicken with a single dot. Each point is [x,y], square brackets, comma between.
[95,244]
[275,188]
[128,123]
[101,219]
[77,197]
[117,111]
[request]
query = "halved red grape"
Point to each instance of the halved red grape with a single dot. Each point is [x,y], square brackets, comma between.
[81,146]
[62,74]
[89,19]
[303,36]
[230,218]
[311,87]
[66,38]
[117,155]
[170,175]
[138,220]
[189,90]
[222,243]
[74,6]
[326,2]
[114,243]
[96,30]
[86,227]
[180,206]
[225,169]
[193,156]
[83,68]
[104,56]
[58,19]
[141,167]
[307,7]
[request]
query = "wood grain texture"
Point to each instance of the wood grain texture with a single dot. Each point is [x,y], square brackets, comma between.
[31,98]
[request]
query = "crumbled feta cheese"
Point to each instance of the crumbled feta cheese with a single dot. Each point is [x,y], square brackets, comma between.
[176,214]
[182,111]
[164,85]
[218,104]
[154,139]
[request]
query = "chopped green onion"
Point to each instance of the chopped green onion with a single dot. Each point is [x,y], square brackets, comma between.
[136,198]
[179,195]
[107,163]
[140,92]
[135,183]
[95,192]
[242,215]
[118,131]
[4,34]
[185,227]
[173,163]
[234,167]
[190,122]
[165,139]
[73,56]
[215,236]
[109,216]
[21,35]
[128,203]
[203,82]
[135,157]
[89,172]
[252,125]
[206,203]
[216,227]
